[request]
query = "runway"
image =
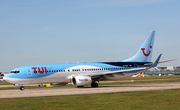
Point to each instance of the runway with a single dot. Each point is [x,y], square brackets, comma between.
[86,90]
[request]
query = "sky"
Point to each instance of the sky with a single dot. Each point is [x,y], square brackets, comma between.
[57,31]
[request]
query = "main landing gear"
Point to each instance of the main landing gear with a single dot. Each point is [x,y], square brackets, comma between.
[94,84]
[22,88]
[80,86]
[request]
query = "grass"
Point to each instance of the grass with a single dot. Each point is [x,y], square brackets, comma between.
[31,87]
[149,100]
[5,83]
[148,78]
[141,82]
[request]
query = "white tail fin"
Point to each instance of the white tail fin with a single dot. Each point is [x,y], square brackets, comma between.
[144,54]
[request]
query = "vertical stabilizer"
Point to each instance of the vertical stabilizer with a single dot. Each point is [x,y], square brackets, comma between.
[144,54]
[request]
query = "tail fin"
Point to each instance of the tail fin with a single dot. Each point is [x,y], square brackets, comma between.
[144,54]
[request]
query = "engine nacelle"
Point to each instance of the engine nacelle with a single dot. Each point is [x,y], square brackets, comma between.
[81,80]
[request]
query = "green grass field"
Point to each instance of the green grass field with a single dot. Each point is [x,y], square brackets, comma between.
[5,83]
[140,100]
[152,77]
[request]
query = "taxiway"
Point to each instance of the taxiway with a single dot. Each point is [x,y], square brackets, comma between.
[86,90]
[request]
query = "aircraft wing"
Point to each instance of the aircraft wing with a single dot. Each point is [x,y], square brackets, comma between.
[120,72]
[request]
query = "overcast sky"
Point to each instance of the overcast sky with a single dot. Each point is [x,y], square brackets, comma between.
[57,31]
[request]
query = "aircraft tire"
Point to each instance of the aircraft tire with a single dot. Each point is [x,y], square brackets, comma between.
[94,84]
[22,88]
[80,86]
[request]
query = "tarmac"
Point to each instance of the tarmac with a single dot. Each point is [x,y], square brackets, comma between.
[86,90]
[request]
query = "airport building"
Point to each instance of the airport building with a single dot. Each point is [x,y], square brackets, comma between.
[164,71]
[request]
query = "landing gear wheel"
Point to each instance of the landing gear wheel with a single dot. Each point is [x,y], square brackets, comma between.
[80,86]
[22,88]
[93,84]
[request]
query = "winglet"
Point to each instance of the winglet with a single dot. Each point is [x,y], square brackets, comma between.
[157,61]
[157,68]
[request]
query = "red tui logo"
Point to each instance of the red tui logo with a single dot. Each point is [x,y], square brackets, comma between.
[39,69]
[145,53]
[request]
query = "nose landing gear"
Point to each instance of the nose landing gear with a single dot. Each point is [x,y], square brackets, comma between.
[21,86]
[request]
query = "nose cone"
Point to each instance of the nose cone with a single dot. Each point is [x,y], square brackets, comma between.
[8,78]
[3,79]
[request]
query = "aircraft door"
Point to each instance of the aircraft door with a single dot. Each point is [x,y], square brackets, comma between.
[81,70]
[29,73]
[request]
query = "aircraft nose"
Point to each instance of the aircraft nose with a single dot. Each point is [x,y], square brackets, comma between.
[8,78]
[5,78]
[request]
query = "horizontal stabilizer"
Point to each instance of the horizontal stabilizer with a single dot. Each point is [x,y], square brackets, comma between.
[167,61]
[147,64]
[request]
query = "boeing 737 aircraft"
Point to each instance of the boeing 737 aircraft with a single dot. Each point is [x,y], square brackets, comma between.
[81,74]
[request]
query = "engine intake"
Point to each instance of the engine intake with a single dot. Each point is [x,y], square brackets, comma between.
[81,80]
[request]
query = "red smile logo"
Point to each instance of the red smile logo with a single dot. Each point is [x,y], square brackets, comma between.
[145,53]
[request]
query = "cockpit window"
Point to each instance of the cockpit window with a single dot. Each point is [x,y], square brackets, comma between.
[15,72]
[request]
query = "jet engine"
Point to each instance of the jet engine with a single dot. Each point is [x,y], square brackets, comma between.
[81,80]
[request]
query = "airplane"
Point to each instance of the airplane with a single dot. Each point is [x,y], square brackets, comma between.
[81,74]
